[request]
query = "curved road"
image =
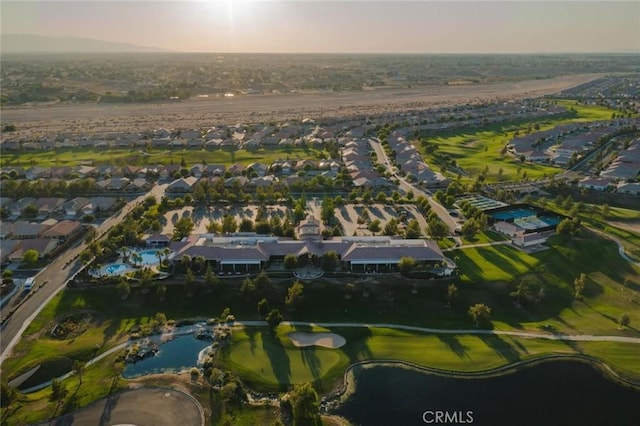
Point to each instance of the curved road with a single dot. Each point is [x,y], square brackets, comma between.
[56,276]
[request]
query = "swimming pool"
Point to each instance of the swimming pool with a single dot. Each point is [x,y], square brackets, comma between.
[114,269]
[149,257]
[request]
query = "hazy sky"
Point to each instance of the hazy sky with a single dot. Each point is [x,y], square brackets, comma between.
[338,26]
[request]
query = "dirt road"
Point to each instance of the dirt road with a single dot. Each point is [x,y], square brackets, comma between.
[213,111]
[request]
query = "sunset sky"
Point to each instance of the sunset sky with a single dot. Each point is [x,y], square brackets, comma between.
[338,26]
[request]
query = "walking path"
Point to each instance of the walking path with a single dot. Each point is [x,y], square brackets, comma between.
[548,336]
[529,335]
[621,250]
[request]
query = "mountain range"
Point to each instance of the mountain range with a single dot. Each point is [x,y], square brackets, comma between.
[33,43]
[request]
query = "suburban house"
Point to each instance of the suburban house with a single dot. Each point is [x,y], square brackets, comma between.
[73,208]
[43,246]
[63,231]
[182,185]
[597,184]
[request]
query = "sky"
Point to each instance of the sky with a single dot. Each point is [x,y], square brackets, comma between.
[357,26]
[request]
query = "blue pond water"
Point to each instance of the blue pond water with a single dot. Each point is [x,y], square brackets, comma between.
[549,393]
[178,354]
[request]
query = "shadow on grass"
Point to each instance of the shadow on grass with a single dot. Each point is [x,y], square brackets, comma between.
[111,330]
[454,344]
[311,360]
[357,346]
[495,256]
[251,333]
[501,347]
[278,357]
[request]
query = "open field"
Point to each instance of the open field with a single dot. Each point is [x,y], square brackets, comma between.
[199,112]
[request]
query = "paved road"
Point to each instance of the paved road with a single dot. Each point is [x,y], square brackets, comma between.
[442,212]
[56,276]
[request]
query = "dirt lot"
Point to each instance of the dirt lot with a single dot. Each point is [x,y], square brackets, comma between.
[212,111]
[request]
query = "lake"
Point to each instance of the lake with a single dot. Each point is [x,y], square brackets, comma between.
[175,355]
[560,392]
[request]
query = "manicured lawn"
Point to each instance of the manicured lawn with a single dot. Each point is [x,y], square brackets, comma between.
[493,263]
[474,149]
[127,156]
[97,382]
[270,368]
[483,237]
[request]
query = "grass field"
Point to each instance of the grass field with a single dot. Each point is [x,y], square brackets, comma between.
[126,156]
[278,364]
[269,361]
[474,149]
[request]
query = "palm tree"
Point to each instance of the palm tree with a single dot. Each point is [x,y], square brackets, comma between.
[78,368]
[136,259]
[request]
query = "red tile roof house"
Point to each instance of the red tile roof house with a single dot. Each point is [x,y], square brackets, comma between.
[63,231]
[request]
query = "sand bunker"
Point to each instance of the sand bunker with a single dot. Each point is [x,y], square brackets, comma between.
[326,340]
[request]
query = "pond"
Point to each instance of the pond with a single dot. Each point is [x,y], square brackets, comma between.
[178,354]
[549,393]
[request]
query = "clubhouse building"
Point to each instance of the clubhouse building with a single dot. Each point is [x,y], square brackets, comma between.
[250,252]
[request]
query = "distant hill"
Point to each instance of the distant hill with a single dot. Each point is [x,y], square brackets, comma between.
[33,43]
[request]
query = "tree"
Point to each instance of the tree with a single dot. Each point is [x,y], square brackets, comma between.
[605,209]
[452,294]
[305,405]
[406,264]
[189,282]
[521,292]
[123,288]
[578,285]
[274,318]
[58,390]
[262,281]
[413,230]
[182,228]
[438,229]
[479,313]
[295,295]
[246,225]
[161,292]
[7,394]
[329,260]
[263,308]
[247,287]
[374,226]
[391,227]
[229,224]
[290,261]
[78,368]
[30,257]
[211,280]
[624,321]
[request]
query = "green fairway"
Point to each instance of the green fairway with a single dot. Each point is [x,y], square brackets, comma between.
[127,156]
[269,367]
[478,151]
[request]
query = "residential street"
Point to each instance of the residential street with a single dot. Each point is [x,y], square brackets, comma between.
[55,276]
